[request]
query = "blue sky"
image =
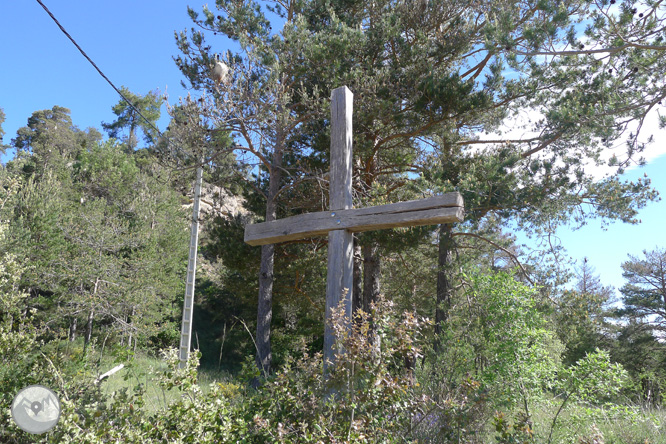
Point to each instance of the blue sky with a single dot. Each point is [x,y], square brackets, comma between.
[606,249]
[132,42]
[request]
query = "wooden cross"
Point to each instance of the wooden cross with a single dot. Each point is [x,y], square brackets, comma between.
[342,220]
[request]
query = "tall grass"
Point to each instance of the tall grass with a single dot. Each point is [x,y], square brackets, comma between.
[612,424]
[577,424]
[140,369]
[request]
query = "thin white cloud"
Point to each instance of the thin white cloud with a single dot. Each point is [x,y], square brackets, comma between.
[521,127]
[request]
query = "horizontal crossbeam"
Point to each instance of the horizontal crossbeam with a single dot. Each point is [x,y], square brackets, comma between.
[447,208]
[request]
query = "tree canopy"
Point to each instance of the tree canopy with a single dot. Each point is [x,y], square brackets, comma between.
[644,294]
[143,114]
[436,85]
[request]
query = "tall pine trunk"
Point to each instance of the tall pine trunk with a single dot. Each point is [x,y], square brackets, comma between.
[265,309]
[130,328]
[444,281]
[371,288]
[265,301]
[371,274]
[89,326]
[91,316]
[357,292]
[72,329]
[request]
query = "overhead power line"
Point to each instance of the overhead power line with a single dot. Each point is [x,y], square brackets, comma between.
[97,68]
[159,133]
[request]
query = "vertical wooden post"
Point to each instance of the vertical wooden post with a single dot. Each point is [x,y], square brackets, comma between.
[339,281]
[188,304]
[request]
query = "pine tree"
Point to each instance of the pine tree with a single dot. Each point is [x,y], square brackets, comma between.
[2,132]
[130,120]
[432,77]
[429,79]
[263,104]
[107,240]
[52,137]
[644,294]
[581,315]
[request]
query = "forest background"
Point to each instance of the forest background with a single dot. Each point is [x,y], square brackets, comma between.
[462,335]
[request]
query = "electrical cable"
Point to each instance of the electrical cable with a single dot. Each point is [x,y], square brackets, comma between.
[159,133]
[62,28]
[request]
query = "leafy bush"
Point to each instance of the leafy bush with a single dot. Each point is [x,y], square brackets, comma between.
[378,392]
[369,396]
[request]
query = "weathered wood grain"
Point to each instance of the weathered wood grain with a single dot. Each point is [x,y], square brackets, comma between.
[339,283]
[340,185]
[340,241]
[446,208]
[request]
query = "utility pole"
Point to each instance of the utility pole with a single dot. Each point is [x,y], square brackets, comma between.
[188,304]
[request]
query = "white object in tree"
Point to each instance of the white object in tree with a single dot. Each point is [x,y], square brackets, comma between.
[220,71]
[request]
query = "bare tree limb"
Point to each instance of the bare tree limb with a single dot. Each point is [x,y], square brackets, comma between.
[511,255]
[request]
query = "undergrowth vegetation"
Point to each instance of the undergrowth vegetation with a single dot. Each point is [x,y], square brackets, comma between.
[495,375]
[387,387]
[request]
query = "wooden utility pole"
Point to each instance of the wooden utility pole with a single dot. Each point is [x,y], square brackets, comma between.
[188,304]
